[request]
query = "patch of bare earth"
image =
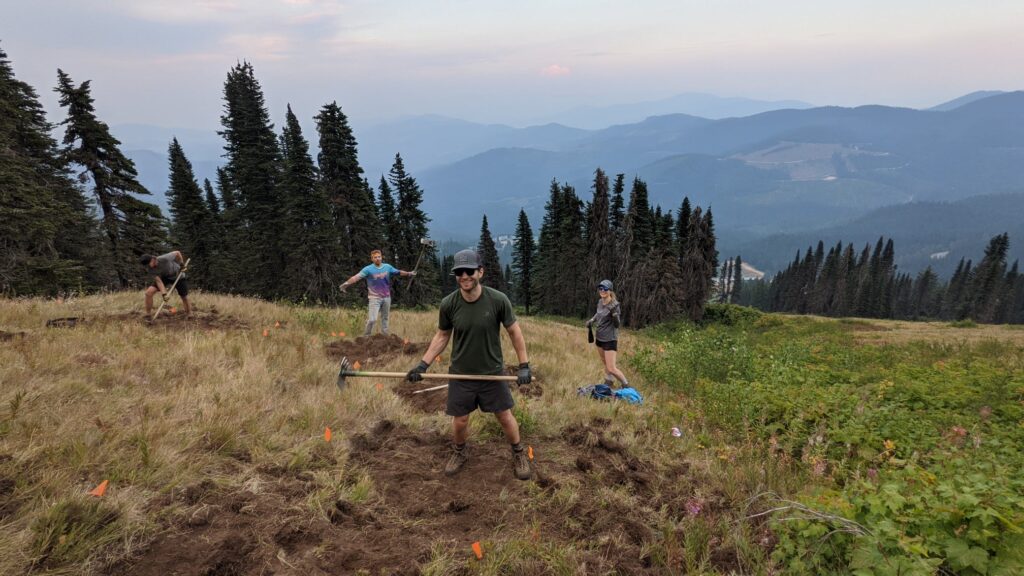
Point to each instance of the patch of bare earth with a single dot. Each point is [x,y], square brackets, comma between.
[204,320]
[415,510]
[377,349]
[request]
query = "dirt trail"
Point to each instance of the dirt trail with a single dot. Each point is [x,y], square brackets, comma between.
[415,510]
[200,320]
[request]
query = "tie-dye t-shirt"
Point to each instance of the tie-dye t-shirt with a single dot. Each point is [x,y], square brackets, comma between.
[378,280]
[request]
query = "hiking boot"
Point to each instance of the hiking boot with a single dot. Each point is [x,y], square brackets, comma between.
[456,460]
[521,465]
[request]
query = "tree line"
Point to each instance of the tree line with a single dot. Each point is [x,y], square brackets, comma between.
[275,224]
[661,265]
[843,283]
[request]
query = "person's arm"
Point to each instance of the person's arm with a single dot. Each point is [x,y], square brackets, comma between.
[160,285]
[404,273]
[616,315]
[179,257]
[437,345]
[355,278]
[515,334]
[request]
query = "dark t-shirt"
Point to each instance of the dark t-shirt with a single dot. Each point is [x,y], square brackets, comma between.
[476,338]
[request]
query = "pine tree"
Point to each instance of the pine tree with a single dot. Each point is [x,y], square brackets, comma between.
[412,226]
[547,265]
[390,226]
[310,246]
[485,248]
[601,240]
[48,240]
[737,280]
[356,223]
[639,228]
[523,256]
[132,227]
[697,270]
[192,226]
[253,168]
[986,286]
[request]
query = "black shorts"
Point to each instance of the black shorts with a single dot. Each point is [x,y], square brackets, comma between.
[464,396]
[610,346]
[181,287]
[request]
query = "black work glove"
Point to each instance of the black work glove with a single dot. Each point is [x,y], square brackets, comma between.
[524,376]
[416,374]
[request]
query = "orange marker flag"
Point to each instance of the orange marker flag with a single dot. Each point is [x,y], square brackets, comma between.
[357,365]
[173,310]
[327,434]
[405,342]
[100,490]
[342,334]
[277,324]
[478,551]
[529,452]
[266,332]
[380,386]
[334,334]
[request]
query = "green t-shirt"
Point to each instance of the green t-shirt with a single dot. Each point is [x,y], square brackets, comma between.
[476,337]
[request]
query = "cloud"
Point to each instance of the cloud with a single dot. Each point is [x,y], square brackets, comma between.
[259,46]
[555,70]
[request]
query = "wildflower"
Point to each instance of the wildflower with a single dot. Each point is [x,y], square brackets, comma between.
[890,445]
[693,507]
[819,467]
[872,474]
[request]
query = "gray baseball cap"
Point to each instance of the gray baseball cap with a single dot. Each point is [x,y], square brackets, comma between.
[605,284]
[466,259]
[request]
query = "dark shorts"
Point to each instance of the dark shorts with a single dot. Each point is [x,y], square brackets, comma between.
[181,288]
[464,396]
[610,346]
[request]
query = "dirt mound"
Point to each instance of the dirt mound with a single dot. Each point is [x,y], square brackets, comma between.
[199,320]
[376,349]
[413,513]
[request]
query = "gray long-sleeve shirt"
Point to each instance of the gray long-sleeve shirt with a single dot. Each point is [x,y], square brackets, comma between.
[606,321]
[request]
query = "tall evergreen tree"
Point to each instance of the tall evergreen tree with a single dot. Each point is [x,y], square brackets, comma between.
[412,223]
[523,256]
[493,272]
[192,225]
[390,226]
[48,240]
[986,286]
[547,265]
[697,270]
[253,168]
[310,248]
[356,223]
[737,280]
[132,227]
[639,227]
[601,240]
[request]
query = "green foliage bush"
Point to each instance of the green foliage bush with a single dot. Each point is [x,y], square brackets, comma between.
[920,444]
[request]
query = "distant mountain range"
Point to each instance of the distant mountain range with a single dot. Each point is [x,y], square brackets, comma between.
[779,171]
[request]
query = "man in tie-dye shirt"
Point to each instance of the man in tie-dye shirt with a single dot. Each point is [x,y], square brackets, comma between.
[378,285]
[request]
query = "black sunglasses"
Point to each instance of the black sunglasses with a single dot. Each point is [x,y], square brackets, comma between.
[602,288]
[464,272]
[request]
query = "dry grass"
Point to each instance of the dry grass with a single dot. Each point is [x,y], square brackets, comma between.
[871,331]
[155,410]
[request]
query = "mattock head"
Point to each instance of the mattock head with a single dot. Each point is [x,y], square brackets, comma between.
[343,371]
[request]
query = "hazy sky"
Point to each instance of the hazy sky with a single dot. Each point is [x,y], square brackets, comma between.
[163,62]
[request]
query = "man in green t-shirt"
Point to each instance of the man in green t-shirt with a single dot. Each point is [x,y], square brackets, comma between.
[472,315]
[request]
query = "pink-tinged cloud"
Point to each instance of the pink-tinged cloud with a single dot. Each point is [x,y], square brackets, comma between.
[555,70]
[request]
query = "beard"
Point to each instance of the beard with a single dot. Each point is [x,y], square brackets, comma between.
[472,282]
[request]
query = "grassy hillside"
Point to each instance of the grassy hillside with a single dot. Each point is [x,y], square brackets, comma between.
[211,433]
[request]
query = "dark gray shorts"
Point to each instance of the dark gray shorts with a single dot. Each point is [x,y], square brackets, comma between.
[181,288]
[464,396]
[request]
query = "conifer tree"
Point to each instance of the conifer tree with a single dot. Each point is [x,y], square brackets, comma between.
[390,226]
[192,226]
[639,228]
[601,240]
[547,262]
[697,270]
[356,223]
[412,225]
[253,168]
[737,281]
[523,256]
[682,227]
[986,286]
[48,240]
[485,248]
[616,210]
[132,227]
[310,247]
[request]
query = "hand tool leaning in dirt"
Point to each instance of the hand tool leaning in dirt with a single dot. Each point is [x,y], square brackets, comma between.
[424,242]
[184,267]
[344,372]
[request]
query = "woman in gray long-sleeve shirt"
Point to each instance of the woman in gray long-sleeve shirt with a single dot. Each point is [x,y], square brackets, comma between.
[606,321]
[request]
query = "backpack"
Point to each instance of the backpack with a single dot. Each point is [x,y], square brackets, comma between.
[629,395]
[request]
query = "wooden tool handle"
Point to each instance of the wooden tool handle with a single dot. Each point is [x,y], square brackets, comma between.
[429,376]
